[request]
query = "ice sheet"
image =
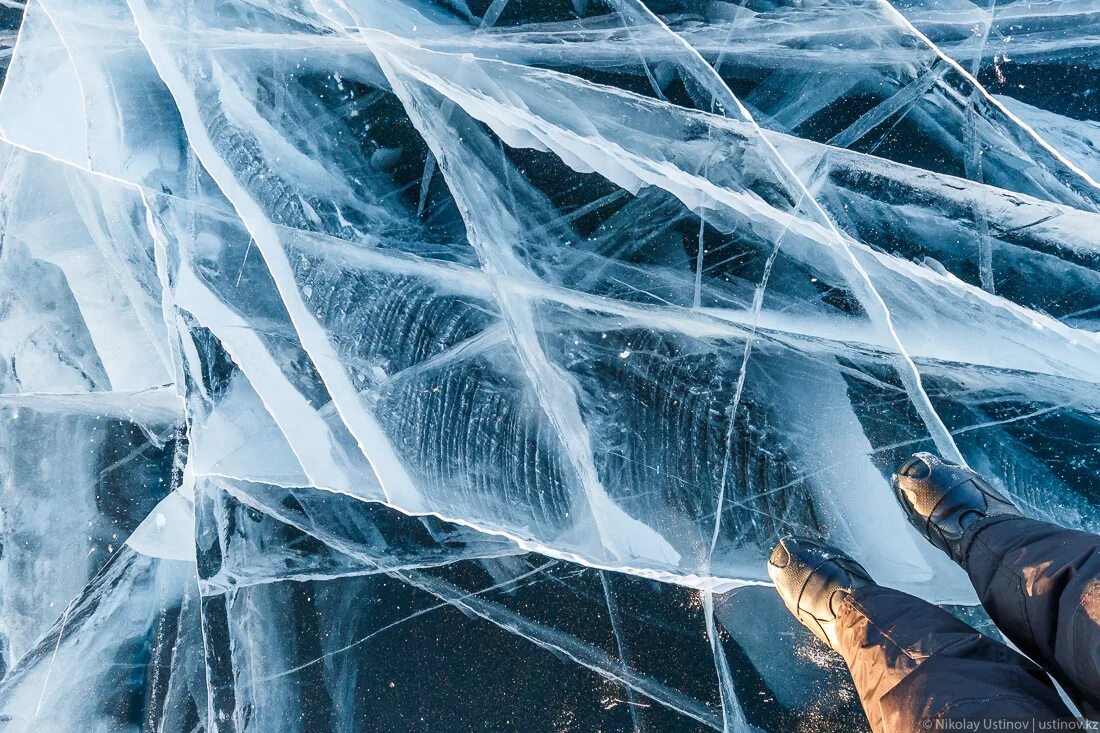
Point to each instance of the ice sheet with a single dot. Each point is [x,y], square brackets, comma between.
[455,364]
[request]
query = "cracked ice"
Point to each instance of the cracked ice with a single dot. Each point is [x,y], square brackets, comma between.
[453,365]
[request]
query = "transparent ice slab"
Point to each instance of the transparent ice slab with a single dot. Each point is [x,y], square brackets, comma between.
[415,365]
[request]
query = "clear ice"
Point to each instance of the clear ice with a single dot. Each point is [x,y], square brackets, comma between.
[453,365]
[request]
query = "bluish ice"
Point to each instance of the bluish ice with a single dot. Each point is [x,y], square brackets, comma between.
[454,365]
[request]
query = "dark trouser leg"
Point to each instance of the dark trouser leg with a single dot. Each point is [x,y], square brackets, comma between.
[912,661]
[1040,584]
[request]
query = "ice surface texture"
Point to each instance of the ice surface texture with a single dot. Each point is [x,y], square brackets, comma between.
[453,365]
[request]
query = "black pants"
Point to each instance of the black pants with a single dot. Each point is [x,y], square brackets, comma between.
[913,663]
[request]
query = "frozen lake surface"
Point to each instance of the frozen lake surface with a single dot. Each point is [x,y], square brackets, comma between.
[454,365]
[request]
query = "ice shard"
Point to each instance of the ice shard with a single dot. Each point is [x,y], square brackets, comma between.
[453,365]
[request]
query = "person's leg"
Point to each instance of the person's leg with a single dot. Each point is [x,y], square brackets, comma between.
[911,662]
[1039,583]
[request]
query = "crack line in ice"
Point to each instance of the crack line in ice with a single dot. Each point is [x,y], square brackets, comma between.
[705,323]
[558,642]
[79,79]
[908,444]
[548,638]
[974,166]
[613,616]
[976,61]
[862,283]
[476,345]
[733,716]
[642,59]
[445,604]
[305,431]
[372,441]
[53,656]
[717,583]
[622,535]
[904,98]
[880,313]
[757,305]
[904,22]
[235,36]
[102,238]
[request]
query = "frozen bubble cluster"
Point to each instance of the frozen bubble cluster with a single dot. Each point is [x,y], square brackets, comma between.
[453,365]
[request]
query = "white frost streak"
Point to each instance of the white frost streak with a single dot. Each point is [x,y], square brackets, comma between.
[373,442]
[518,124]
[622,535]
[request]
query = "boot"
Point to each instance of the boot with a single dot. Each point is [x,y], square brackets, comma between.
[813,580]
[942,499]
